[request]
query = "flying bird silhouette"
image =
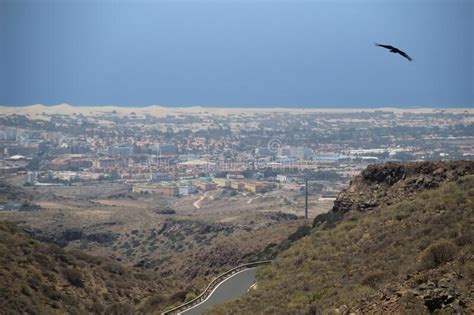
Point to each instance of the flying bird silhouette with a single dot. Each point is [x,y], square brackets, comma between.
[394,50]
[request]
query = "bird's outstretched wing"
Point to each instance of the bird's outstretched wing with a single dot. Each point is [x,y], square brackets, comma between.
[395,50]
[385,46]
[404,54]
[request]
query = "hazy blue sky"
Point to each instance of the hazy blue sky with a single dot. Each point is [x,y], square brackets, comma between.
[237,53]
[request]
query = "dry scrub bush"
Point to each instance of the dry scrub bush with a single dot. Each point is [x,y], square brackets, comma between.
[154,302]
[468,270]
[119,309]
[436,254]
[74,277]
[114,267]
[372,279]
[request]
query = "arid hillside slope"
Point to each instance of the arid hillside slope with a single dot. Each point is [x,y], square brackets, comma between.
[398,240]
[39,278]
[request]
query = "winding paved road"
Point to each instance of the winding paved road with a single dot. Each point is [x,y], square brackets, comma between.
[229,289]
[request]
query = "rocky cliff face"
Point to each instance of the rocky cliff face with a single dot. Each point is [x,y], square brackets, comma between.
[385,184]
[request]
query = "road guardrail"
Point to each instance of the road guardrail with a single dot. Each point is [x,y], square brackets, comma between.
[207,291]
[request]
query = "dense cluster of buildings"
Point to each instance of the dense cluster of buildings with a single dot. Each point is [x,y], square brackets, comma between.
[188,187]
[184,154]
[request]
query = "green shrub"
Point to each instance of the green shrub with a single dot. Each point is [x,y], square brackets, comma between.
[314,309]
[465,239]
[167,210]
[142,276]
[119,309]
[179,296]
[301,232]
[190,296]
[96,308]
[74,277]
[114,267]
[34,281]
[63,258]
[372,279]
[26,290]
[52,294]
[43,260]
[436,254]
[70,300]
[154,302]
[468,270]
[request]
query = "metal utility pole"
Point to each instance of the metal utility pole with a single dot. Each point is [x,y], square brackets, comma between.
[306,198]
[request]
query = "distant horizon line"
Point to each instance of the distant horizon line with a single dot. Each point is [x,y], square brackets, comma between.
[241,106]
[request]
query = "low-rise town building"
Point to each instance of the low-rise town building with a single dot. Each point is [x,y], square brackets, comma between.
[160,189]
[237,185]
[222,182]
[258,187]
[204,185]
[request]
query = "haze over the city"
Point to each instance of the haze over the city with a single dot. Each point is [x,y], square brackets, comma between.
[237,53]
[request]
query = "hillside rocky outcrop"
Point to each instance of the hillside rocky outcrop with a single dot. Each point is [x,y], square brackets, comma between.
[384,184]
[64,237]
[431,291]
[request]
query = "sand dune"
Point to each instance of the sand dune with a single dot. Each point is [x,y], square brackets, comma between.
[157,111]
